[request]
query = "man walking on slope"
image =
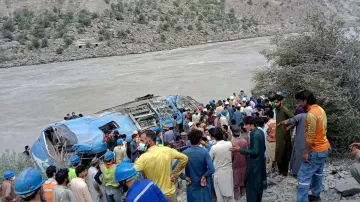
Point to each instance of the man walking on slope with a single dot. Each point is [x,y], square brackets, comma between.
[255,174]
[283,137]
[156,162]
[317,148]
[223,176]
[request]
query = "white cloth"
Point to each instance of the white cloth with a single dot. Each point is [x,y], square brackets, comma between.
[223,177]
[120,153]
[195,117]
[62,194]
[91,181]
[80,190]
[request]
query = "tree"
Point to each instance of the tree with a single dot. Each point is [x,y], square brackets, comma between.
[84,18]
[59,51]
[324,61]
[68,41]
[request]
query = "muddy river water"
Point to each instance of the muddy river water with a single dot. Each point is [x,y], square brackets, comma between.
[34,96]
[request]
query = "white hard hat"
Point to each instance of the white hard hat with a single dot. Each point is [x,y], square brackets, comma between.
[191,124]
[231,97]
[244,99]
[226,102]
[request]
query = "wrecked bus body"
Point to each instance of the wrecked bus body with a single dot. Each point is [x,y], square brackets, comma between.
[83,136]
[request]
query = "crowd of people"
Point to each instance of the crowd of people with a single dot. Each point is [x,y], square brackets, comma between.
[72,116]
[231,148]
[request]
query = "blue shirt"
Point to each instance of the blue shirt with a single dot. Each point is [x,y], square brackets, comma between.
[144,191]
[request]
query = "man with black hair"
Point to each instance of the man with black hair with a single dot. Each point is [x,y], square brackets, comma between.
[270,128]
[198,170]
[255,174]
[61,192]
[27,150]
[79,186]
[223,176]
[317,148]
[95,189]
[50,183]
[155,164]
[283,136]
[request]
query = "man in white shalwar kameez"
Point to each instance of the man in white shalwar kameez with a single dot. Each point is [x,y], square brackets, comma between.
[223,177]
[92,184]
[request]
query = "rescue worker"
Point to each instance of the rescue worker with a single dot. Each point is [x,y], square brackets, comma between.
[138,190]
[74,161]
[7,187]
[28,185]
[119,151]
[61,192]
[50,183]
[113,192]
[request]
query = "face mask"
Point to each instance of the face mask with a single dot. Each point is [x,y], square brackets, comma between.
[142,146]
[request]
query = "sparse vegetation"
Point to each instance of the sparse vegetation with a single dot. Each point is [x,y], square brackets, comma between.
[44,43]
[35,43]
[13,161]
[68,41]
[59,51]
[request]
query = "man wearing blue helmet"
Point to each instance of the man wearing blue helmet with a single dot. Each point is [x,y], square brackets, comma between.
[74,161]
[139,190]
[113,192]
[7,187]
[28,185]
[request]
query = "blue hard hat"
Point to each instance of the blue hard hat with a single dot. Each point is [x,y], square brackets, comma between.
[119,141]
[109,155]
[224,112]
[127,160]
[124,171]
[8,174]
[211,102]
[75,159]
[29,180]
[218,114]
[201,104]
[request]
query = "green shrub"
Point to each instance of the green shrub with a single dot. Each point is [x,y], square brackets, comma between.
[121,34]
[163,38]
[21,38]
[118,16]
[44,43]
[88,45]
[38,31]
[8,35]
[142,19]
[165,26]
[23,18]
[35,43]
[94,15]
[14,161]
[154,17]
[178,28]
[199,26]
[128,31]
[8,26]
[68,41]
[59,50]
[81,30]
[176,3]
[107,1]
[101,38]
[190,27]
[250,2]
[84,18]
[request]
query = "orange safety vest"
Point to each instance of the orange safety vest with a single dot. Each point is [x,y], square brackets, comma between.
[48,191]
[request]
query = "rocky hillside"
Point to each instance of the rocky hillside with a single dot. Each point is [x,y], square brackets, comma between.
[43,31]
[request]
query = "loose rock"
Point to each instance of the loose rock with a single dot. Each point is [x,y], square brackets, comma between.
[348,187]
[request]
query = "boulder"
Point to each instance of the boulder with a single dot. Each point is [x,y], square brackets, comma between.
[348,187]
